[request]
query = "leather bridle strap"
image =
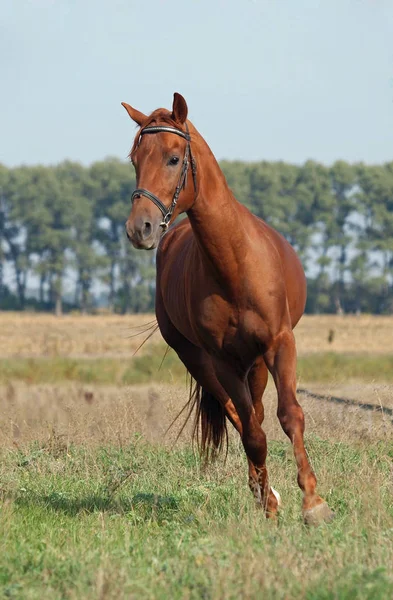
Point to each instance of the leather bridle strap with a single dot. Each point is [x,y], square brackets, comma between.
[165,128]
[167,212]
[142,192]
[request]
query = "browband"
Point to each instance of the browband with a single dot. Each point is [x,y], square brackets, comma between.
[163,128]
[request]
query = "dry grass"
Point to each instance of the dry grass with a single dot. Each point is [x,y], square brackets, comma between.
[33,335]
[103,415]
[80,412]
[365,334]
[86,414]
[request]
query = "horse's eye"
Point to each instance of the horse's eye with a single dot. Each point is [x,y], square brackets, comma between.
[174,160]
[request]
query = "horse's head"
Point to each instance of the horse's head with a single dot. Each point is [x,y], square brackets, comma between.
[162,158]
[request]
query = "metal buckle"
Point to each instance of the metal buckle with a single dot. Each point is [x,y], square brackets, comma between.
[165,222]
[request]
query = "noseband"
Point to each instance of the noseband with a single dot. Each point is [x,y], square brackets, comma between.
[167,212]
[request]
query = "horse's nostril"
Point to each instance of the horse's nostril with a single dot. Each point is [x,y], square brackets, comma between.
[146,231]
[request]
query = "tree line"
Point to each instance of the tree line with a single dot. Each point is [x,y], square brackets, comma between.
[62,240]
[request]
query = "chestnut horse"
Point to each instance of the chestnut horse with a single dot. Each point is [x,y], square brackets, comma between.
[230,289]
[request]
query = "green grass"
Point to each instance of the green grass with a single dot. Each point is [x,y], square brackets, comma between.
[144,521]
[139,369]
[331,366]
[150,366]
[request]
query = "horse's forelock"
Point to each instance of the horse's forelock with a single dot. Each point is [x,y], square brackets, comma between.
[161,116]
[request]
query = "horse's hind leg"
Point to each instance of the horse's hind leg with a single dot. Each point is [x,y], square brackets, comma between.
[253,437]
[281,361]
[257,381]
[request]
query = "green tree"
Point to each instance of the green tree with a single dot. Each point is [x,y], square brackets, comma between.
[78,191]
[343,180]
[376,205]
[49,225]
[114,182]
[17,233]
[4,208]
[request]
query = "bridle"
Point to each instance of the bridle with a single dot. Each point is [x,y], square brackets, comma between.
[168,211]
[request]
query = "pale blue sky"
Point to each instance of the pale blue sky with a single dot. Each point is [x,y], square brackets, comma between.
[264,79]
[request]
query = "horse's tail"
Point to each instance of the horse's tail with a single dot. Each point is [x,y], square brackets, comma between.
[210,428]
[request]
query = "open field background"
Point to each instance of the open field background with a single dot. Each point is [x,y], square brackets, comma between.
[98,501]
[35,335]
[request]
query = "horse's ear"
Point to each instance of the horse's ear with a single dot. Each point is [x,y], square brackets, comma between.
[135,115]
[179,108]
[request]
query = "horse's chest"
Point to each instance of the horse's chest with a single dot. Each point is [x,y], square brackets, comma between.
[199,311]
[212,318]
[223,331]
[206,313]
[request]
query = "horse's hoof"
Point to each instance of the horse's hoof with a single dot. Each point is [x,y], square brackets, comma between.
[320,513]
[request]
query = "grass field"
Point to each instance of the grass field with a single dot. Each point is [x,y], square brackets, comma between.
[75,336]
[98,501]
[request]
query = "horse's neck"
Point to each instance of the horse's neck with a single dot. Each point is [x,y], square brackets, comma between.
[216,218]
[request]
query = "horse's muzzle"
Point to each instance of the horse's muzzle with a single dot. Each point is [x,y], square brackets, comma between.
[143,234]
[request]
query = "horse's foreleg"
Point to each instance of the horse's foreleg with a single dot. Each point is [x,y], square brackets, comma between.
[252,435]
[281,361]
[200,366]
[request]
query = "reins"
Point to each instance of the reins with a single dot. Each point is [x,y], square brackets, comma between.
[167,212]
